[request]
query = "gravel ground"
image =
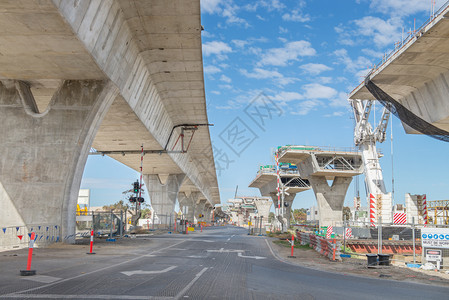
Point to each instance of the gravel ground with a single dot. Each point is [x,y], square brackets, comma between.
[358,266]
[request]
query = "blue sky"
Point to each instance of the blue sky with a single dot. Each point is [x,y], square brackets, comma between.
[302,58]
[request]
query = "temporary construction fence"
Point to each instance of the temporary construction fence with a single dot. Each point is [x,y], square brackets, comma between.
[17,237]
[327,247]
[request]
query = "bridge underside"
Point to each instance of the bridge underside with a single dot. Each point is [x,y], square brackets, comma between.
[417,77]
[112,75]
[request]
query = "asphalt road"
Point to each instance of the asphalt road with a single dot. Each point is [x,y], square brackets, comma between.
[219,263]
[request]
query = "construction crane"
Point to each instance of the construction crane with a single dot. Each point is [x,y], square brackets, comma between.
[365,137]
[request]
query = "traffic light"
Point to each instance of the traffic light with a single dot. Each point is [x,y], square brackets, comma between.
[140,199]
[136,187]
[132,199]
[285,204]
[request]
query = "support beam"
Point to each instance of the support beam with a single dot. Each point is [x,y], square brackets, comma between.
[163,196]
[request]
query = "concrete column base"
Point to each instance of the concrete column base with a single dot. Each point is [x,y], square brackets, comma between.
[330,198]
[188,205]
[163,196]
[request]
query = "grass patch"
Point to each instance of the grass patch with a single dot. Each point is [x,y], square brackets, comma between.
[288,245]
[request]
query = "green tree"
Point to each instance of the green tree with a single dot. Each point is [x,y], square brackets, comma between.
[118,206]
[270,217]
[346,213]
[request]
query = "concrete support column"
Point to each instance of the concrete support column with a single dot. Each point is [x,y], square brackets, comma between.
[330,198]
[234,217]
[208,214]
[199,209]
[286,216]
[188,204]
[263,209]
[44,153]
[163,196]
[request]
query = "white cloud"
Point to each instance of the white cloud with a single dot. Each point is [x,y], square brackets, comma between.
[210,6]
[318,91]
[259,73]
[381,32]
[315,69]
[304,107]
[226,9]
[216,47]
[354,66]
[287,96]
[325,80]
[282,30]
[296,16]
[290,52]
[373,53]
[340,100]
[269,5]
[240,43]
[403,7]
[211,70]
[225,79]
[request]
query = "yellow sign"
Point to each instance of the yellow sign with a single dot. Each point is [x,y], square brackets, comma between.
[190,229]
[250,223]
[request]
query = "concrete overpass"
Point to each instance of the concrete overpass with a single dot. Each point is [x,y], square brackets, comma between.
[414,78]
[112,75]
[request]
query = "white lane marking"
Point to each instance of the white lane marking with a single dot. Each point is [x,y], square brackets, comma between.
[184,290]
[56,296]
[222,250]
[42,278]
[88,273]
[197,256]
[140,272]
[271,250]
[255,257]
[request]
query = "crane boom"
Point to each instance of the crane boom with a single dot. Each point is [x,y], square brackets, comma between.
[380,202]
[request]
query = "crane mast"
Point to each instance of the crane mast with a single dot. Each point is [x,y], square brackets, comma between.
[365,137]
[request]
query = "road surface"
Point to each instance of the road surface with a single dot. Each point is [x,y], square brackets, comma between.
[218,263]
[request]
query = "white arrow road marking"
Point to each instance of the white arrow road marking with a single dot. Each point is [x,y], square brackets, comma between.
[225,251]
[255,257]
[140,272]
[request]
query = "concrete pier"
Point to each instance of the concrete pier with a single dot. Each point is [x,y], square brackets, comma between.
[319,166]
[43,153]
[188,204]
[163,196]
[291,182]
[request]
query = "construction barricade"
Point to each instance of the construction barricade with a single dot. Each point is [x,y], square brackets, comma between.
[327,247]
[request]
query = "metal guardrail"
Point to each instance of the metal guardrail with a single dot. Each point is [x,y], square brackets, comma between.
[318,149]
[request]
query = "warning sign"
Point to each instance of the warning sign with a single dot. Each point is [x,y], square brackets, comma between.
[434,255]
[435,237]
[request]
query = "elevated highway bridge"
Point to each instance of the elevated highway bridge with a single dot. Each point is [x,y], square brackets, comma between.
[112,75]
[414,79]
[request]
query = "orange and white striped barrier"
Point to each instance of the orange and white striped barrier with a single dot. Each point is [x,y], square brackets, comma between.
[91,242]
[28,271]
